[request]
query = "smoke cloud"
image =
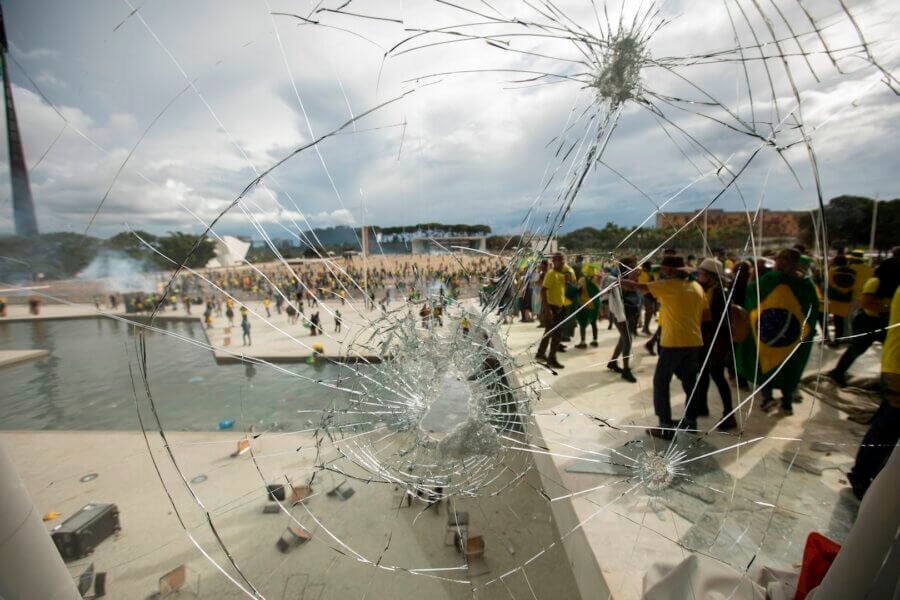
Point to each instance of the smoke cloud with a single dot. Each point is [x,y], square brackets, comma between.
[120,272]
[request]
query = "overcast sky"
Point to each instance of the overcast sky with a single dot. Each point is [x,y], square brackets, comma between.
[472,148]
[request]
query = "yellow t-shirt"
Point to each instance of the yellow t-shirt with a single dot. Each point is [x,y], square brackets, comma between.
[874,306]
[863,274]
[570,278]
[681,310]
[555,284]
[890,354]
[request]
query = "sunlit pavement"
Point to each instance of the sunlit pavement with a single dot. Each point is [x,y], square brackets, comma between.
[738,504]
[515,526]
[734,505]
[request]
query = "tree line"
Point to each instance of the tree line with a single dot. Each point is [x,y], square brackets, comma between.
[62,255]
[847,219]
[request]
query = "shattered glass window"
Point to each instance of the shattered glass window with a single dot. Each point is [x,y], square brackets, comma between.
[278,411]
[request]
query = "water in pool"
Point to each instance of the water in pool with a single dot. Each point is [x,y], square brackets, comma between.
[84,383]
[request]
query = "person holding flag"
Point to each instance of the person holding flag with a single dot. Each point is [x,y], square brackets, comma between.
[782,325]
[870,323]
[589,304]
[841,280]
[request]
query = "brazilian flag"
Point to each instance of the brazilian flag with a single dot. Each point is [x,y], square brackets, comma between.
[588,301]
[784,316]
[841,283]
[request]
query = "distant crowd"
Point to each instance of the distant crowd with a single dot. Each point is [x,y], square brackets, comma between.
[298,290]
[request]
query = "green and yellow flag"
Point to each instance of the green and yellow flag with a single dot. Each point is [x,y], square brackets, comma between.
[841,283]
[782,317]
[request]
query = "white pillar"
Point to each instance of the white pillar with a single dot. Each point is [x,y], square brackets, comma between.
[874,225]
[30,564]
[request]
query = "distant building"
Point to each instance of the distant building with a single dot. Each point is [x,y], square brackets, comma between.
[443,244]
[230,251]
[542,244]
[772,223]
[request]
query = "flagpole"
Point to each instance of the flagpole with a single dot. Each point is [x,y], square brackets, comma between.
[874,225]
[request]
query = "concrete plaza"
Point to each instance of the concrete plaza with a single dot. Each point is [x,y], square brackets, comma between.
[754,501]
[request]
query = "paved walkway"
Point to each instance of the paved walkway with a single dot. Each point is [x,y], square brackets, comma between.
[116,467]
[734,505]
[740,503]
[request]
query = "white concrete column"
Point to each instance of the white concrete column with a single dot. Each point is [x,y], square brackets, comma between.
[30,564]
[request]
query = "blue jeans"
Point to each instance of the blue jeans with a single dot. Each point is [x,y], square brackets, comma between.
[681,362]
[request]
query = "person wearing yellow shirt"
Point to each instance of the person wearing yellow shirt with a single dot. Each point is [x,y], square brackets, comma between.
[884,429]
[716,352]
[553,310]
[568,321]
[681,312]
[857,261]
[870,322]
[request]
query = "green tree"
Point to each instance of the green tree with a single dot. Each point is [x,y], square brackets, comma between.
[58,255]
[503,242]
[191,250]
[848,220]
[130,243]
[886,236]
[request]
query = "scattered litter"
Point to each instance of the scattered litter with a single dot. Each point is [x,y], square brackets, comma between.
[275,492]
[77,536]
[226,423]
[88,477]
[299,493]
[173,581]
[292,536]
[199,478]
[51,516]
[344,493]
[197,379]
[242,447]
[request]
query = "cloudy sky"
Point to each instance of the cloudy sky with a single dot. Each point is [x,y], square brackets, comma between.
[171,110]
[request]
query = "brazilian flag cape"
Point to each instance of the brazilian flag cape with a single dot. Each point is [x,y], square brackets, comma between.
[591,308]
[784,316]
[841,283]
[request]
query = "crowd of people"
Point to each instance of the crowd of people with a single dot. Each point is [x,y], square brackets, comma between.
[751,320]
[296,288]
[343,280]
